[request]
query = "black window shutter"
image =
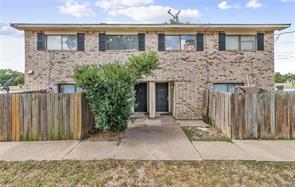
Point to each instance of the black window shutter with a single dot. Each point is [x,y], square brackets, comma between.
[81,41]
[200,42]
[161,42]
[221,41]
[40,41]
[102,42]
[260,41]
[141,41]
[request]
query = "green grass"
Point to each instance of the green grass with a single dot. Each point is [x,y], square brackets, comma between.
[196,134]
[104,136]
[147,173]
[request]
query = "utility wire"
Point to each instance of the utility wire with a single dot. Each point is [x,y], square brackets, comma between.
[283,33]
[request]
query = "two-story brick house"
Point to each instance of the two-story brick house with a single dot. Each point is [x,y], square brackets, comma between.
[194,57]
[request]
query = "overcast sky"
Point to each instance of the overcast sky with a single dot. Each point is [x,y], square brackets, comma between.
[143,11]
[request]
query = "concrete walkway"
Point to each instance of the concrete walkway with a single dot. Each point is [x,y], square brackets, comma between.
[160,139]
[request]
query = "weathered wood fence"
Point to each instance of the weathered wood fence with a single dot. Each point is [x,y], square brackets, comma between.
[252,115]
[43,116]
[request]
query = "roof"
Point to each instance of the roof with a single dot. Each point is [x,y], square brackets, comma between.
[148,27]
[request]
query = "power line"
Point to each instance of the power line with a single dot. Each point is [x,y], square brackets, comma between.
[283,33]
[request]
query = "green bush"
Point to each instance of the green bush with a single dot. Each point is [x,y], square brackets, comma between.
[110,89]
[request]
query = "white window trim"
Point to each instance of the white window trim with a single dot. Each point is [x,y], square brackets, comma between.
[240,36]
[107,35]
[61,35]
[180,48]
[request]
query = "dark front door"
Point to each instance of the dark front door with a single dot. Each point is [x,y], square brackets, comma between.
[161,97]
[140,98]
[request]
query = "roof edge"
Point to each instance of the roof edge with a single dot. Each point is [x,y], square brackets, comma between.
[24,26]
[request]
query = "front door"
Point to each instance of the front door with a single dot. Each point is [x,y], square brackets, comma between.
[161,97]
[140,97]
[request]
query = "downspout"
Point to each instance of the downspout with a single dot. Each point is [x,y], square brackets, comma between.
[49,81]
[207,60]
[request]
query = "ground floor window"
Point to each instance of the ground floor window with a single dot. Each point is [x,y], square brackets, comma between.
[226,87]
[69,88]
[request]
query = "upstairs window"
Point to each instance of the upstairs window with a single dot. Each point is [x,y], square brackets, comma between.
[226,87]
[172,42]
[178,42]
[238,42]
[232,43]
[122,42]
[64,42]
[248,42]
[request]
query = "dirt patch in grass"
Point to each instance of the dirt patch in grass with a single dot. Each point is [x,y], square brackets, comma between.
[97,135]
[146,173]
[204,134]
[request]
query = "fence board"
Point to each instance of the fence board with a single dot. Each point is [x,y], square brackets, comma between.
[251,116]
[27,117]
[2,132]
[291,114]
[43,116]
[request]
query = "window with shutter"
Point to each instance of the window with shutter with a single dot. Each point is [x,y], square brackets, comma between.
[81,41]
[61,42]
[161,42]
[102,42]
[40,41]
[221,41]
[260,41]
[141,42]
[200,42]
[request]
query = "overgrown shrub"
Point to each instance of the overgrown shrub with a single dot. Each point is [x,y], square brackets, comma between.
[110,88]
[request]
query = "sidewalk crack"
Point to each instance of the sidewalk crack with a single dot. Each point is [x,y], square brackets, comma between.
[245,151]
[71,149]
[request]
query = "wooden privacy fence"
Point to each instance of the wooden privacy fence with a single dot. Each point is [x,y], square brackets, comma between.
[251,115]
[44,116]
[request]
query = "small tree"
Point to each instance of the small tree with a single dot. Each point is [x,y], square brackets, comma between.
[110,89]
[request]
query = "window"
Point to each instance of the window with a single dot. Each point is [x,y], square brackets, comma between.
[66,42]
[226,87]
[188,42]
[185,42]
[172,42]
[69,88]
[122,42]
[240,42]
[248,42]
[232,42]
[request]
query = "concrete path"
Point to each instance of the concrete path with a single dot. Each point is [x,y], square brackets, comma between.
[160,139]
[50,150]
[221,151]
[95,150]
[268,150]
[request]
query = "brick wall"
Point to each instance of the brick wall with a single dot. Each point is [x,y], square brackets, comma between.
[192,71]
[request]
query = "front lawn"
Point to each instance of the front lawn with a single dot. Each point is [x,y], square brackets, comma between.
[204,134]
[146,173]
